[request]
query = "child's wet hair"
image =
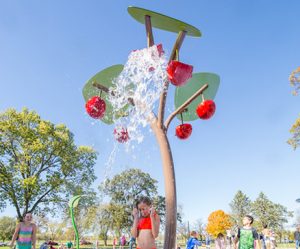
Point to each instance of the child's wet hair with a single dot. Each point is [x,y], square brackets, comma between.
[220,235]
[144,199]
[250,218]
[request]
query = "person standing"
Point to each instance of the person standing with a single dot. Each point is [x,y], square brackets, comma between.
[193,241]
[247,236]
[272,239]
[297,237]
[266,237]
[69,245]
[132,242]
[207,241]
[146,223]
[115,242]
[122,241]
[25,234]
[228,238]
[220,242]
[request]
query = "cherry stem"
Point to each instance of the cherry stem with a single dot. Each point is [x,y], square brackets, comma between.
[202,95]
[184,105]
[177,55]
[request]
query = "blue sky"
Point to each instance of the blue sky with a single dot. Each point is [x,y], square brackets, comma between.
[49,49]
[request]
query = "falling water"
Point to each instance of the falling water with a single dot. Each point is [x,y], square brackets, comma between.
[135,94]
[110,161]
[142,80]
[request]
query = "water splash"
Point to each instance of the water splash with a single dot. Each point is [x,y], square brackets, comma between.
[138,87]
[110,161]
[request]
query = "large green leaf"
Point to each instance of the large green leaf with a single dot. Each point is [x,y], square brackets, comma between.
[161,21]
[183,93]
[74,201]
[106,78]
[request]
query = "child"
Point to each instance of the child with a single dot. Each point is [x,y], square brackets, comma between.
[146,223]
[266,237]
[25,233]
[220,242]
[247,236]
[193,241]
[114,242]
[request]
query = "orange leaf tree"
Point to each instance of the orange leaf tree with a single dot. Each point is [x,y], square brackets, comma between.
[218,222]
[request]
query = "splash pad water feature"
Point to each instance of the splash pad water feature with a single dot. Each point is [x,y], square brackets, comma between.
[130,93]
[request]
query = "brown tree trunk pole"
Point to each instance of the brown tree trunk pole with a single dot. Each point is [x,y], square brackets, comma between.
[165,150]
[170,185]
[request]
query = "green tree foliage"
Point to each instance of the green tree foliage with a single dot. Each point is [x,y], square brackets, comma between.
[295,80]
[294,141]
[126,187]
[240,206]
[183,230]
[269,213]
[200,228]
[40,165]
[123,190]
[103,222]
[7,227]
[95,219]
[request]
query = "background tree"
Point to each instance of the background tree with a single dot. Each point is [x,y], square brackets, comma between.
[7,227]
[268,213]
[123,191]
[42,224]
[55,230]
[40,165]
[127,186]
[69,234]
[240,206]
[183,230]
[294,141]
[294,78]
[102,222]
[200,227]
[297,218]
[218,222]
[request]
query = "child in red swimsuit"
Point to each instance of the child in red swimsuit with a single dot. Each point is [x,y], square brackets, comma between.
[146,224]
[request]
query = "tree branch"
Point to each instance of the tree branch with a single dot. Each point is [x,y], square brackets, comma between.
[3,187]
[41,198]
[14,200]
[13,150]
[42,169]
[163,96]
[150,40]
[181,108]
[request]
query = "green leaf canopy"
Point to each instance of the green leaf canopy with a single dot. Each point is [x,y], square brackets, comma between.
[40,165]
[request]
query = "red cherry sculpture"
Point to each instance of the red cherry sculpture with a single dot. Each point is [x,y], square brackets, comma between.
[95,107]
[206,109]
[160,50]
[179,73]
[183,131]
[121,134]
